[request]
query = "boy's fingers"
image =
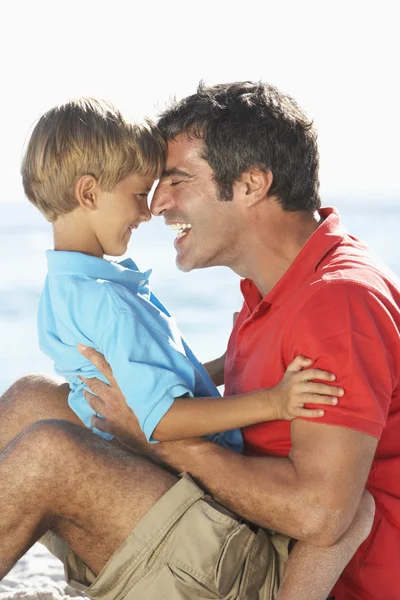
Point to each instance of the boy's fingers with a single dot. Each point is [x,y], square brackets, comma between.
[309,374]
[319,399]
[299,363]
[310,413]
[323,389]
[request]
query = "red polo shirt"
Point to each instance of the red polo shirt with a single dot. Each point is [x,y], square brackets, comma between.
[338,305]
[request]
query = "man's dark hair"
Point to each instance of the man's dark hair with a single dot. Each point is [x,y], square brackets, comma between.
[246,125]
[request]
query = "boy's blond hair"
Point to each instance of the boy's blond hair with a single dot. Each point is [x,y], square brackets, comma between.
[86,136]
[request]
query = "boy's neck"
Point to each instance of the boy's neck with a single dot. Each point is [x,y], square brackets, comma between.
[71,233]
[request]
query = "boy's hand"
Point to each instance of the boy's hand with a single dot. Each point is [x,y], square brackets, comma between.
[297,389]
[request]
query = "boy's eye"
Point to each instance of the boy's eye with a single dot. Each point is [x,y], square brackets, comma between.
[142,195]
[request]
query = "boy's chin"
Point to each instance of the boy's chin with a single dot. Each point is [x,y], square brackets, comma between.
[115,250]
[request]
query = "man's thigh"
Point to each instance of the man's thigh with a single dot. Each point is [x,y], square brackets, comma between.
[33,398]
[186,547]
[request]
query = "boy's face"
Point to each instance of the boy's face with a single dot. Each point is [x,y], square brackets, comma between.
[119,212]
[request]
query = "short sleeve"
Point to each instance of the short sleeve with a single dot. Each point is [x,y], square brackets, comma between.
[150,370]
[346,329]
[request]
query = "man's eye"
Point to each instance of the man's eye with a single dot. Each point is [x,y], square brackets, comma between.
[175,182]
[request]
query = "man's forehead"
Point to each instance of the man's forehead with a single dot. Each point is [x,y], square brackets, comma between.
[183,150]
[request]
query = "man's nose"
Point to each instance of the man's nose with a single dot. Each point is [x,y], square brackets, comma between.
[161,200]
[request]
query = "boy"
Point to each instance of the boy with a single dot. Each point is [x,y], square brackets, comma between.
[89,171]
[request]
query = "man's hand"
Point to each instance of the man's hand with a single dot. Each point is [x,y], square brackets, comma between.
[118,418]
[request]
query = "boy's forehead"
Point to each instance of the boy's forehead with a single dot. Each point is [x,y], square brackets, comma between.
[143,181]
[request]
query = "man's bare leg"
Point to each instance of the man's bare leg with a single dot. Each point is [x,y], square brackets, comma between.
[33,398]
[312,571]
[60,476]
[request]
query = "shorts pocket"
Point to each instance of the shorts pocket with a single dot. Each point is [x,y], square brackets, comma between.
[208,550]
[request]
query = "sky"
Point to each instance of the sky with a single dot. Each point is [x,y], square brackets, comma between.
[338,59]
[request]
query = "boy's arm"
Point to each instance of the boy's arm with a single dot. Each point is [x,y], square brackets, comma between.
[195,417]
[154,376]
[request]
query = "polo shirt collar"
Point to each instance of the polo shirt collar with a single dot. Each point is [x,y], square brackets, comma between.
[76,263]
[327,236]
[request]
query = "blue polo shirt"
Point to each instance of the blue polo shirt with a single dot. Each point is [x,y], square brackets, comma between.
[110,307]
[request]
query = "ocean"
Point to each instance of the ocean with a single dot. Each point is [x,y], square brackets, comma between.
[202,301]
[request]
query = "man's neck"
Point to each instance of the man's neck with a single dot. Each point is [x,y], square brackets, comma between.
[273,247]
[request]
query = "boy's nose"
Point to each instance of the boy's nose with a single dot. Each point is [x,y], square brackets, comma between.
[161,200]
[146,214]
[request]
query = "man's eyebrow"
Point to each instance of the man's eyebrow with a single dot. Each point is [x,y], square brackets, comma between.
[179,172]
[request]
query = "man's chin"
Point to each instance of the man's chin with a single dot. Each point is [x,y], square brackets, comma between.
[183,266]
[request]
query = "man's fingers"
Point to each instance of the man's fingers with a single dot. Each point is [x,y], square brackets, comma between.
[299,363]
[97,360]
[98,387]
[94,402]
[100,423]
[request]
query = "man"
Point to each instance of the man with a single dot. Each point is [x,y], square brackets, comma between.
[242,170]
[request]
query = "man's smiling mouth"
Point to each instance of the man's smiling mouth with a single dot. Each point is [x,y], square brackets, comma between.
[182,228]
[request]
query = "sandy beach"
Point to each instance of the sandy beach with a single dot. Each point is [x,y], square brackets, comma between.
[37,576]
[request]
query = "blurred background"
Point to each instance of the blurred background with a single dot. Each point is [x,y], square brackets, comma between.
[339,60]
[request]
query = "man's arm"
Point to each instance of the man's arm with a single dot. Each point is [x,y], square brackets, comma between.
[215,369]
[312,495]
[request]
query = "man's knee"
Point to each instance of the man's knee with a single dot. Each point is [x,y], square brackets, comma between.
[52,442]
[30,386]
[36,397]
[366,514]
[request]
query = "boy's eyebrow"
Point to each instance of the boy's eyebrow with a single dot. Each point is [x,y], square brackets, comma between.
[173,171]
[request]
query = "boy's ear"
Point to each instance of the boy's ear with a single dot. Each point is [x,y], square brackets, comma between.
[255,185]
[86,192]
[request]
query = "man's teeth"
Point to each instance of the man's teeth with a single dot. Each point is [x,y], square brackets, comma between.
[180,226]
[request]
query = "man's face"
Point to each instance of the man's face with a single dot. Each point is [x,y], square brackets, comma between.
[188,195]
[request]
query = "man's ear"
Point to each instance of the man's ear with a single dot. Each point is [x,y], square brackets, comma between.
[86,192]
[255,185]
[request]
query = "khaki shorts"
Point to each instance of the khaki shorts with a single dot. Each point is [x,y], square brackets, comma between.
[187,546]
